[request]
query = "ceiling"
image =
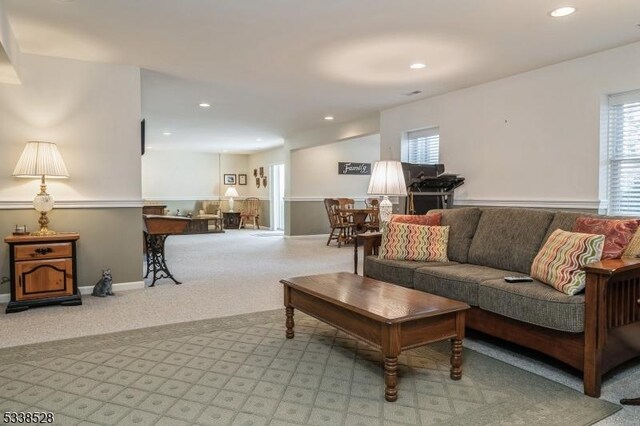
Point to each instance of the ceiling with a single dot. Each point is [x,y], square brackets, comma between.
[271,68]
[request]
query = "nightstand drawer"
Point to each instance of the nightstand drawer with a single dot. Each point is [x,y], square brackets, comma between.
[42,251]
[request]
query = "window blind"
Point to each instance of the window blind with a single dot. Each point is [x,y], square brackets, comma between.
[624,154]
[423,146]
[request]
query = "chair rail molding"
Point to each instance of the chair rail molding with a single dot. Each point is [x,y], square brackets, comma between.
[74,204]
[551,204]
[322,198]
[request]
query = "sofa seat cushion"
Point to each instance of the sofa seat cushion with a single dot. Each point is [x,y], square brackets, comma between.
[509,238]
[459,282]
[398,272]
[533,303]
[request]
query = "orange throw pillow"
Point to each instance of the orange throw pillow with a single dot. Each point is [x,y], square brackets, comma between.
[617,233]
[429,219]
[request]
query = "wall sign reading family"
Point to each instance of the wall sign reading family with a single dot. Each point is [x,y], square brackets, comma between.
[354,168]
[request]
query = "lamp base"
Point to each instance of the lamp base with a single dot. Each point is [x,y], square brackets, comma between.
[44,230]
[385,209]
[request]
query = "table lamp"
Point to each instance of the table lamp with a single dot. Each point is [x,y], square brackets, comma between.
[387,179]
[231,192]
[40,160]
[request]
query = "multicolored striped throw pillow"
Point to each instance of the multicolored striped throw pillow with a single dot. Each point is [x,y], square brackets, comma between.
[402,241]
[559,261]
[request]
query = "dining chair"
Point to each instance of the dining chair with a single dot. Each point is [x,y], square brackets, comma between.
[340,228]
[373,222]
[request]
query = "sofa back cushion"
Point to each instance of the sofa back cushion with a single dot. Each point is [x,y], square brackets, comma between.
[462,225]
[509,238]
[563,221]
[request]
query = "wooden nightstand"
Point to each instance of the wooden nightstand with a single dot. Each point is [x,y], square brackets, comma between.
[231,220]
[43,271]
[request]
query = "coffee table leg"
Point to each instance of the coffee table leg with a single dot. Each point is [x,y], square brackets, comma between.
[391,378]
[290,324]
[456,359]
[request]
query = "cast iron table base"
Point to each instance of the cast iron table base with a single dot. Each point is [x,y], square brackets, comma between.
[155,258]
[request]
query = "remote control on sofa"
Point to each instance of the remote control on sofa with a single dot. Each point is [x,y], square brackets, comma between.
[518,279]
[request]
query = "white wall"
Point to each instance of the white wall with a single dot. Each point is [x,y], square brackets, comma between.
[9,51]
[180,175]
[263,159]
[234,164]
[92,111]
[315,170]
[529,139]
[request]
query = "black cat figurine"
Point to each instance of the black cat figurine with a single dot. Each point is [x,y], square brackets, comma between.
[103,287]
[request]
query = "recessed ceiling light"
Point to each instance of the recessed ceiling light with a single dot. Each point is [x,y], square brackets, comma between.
[204,105]
[328,117]
[166,133]
[562,11]
[417,66]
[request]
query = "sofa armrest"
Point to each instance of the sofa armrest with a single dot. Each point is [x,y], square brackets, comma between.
[613,266]
[611,302]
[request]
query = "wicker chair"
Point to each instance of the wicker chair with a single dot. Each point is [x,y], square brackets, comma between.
[250,212]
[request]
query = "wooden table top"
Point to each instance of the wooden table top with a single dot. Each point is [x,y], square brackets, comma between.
[385,302]
[60,236]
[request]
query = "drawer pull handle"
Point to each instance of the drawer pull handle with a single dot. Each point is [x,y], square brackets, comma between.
[43,250]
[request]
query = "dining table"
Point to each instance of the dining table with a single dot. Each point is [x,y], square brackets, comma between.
[357,217]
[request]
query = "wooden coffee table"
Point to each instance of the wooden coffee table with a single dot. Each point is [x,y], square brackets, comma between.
[386,316]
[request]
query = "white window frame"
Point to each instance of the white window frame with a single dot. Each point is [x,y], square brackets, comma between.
[623,154]
[428,134]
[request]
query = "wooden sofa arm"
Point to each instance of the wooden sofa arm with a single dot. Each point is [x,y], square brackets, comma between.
[611,302]
[613,266]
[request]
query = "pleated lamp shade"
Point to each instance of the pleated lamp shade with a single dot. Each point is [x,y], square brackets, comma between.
[387,178]
[41,159]
[231,192]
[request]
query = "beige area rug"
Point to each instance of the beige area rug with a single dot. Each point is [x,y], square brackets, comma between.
[241,370]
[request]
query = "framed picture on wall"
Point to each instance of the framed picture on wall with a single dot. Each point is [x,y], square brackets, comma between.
[229,179]
[242,179]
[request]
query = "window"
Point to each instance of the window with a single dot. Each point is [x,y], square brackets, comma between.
[624,154]
[423,146]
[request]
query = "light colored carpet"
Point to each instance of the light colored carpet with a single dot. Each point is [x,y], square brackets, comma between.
[243,371]
[235,273]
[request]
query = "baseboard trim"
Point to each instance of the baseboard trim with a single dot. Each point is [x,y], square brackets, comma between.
[134,285]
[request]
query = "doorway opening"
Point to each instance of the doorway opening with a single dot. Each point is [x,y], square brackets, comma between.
[276,196]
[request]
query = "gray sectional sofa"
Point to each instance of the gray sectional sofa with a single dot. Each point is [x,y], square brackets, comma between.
[487,244]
